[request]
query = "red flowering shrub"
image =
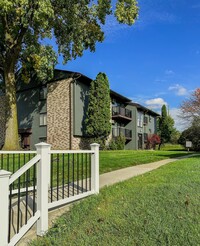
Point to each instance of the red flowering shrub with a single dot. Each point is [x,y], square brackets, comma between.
[152,141]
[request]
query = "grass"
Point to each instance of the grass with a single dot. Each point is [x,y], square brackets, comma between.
[109,161]
[158,208]
[113,160]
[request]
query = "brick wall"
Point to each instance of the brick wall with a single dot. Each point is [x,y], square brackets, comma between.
[58,114]
[2,120]
[60,117]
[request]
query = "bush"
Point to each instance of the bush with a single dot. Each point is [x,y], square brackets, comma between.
[192,134]
[117,143]
[152,141]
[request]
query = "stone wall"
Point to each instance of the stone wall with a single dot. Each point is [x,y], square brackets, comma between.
[80,143]
[2,120]
[58,114]
[60,117]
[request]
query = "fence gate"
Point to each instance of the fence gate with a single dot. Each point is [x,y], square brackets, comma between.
[32,182]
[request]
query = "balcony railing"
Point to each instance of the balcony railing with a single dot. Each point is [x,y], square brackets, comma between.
[117,131]
[121,112]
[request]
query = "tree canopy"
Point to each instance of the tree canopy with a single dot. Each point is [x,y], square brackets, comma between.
[76,26]
[190,108]
[25,27]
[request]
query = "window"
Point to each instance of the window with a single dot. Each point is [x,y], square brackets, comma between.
[140,119]
[43,93]
[145,120]
[145,137]
[43,119]
[43,139]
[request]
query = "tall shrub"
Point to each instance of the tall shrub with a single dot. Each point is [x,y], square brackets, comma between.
[98,125]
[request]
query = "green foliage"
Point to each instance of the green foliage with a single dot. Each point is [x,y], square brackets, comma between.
[175,136]
[126,11]
[76,26]
[166,126]
[117,143]
[98,114]
[192,134]
[26,27]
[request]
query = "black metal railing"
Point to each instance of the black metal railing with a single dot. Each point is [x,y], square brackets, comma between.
[121,111]
[70,175]
[22,201]
[14,161]
[117,131]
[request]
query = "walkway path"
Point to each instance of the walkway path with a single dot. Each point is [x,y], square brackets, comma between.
[106,179]
[129,172]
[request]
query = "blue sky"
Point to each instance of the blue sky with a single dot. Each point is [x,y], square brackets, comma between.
[156,61]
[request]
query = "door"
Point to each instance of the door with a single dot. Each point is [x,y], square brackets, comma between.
[139,141]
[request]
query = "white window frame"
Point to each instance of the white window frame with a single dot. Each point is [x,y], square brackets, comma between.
[43,119]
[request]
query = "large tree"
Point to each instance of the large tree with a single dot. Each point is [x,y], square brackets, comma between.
[98,115]
[190,108]
[25,26]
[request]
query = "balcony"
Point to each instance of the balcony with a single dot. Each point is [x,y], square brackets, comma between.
[121,113]
[117,131]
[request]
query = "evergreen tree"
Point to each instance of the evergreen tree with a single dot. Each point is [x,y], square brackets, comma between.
[98,125]
[166,126]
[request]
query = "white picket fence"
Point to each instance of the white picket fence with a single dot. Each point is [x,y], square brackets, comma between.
[43,161]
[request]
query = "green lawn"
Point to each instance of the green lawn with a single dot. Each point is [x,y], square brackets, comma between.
[109,161]
[158,208]
[112,160]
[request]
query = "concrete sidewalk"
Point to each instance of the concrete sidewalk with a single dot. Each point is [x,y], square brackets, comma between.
[129,172]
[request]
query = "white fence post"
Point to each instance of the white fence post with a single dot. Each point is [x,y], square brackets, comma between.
[95,168]
[42,186]
[4,205]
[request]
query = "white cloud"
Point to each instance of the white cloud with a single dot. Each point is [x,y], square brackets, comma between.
[155,103]
[178,89]
[180,124]
[169,72]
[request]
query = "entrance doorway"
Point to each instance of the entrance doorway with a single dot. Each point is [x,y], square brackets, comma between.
[139,141]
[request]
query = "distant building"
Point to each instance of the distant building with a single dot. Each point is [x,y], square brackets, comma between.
[54,112]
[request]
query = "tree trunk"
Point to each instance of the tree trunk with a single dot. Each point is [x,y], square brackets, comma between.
[11,133]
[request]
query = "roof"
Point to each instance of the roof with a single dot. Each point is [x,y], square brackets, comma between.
[114,94]
[60,74]
[63,74]
[142,108]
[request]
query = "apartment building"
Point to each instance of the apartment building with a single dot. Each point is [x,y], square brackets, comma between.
[54,112]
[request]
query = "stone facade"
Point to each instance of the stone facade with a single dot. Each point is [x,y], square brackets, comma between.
[58,114]
[60,117]
[2,120]
[80,143]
